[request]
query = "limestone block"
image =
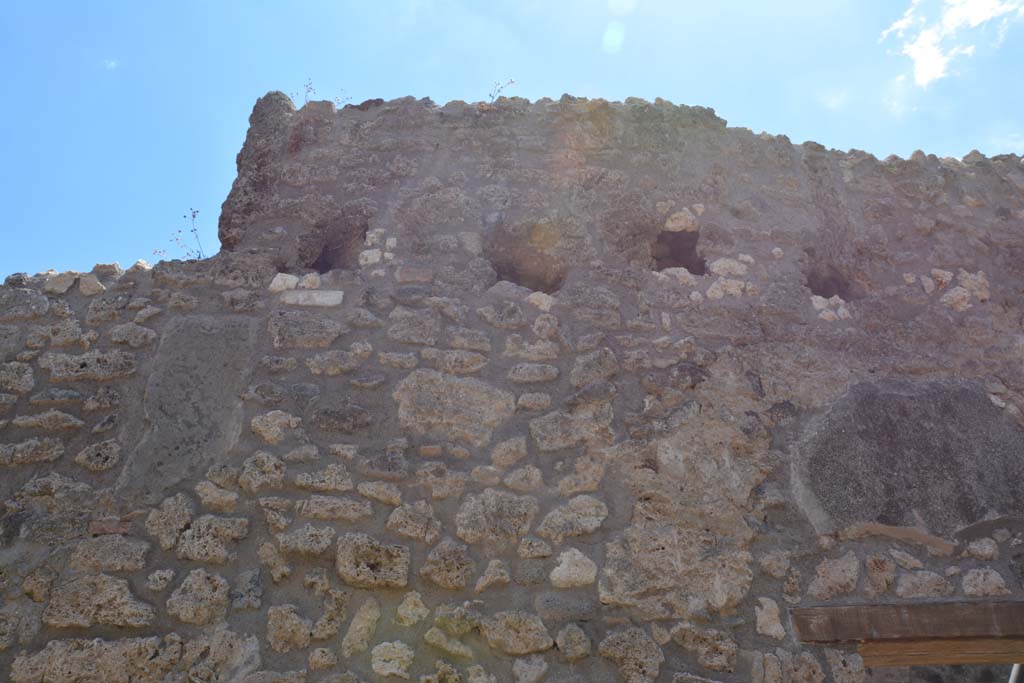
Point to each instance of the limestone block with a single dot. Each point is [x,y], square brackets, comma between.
[363,562]
[96,599]
[321,298]
[516,633]
[200,599]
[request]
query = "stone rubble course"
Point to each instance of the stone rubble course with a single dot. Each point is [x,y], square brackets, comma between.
[119,661]
[517,392]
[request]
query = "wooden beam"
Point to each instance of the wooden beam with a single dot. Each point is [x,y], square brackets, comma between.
[909,621]
[942,651]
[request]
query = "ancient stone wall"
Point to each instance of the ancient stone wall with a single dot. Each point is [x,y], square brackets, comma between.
[564,391]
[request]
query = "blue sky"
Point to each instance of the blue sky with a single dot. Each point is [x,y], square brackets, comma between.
[121,116]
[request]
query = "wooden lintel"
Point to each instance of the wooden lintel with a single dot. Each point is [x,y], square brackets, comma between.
[941,651]
[920,621]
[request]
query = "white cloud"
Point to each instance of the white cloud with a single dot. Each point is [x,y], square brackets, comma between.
[900,26]
[931,61]
[959,14]
[110,64]
[934,40]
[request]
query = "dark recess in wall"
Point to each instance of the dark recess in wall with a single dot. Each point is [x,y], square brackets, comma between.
[340,248]
[678,250]
[515,260]
[827,281]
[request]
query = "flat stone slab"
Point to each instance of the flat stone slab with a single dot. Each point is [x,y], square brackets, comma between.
[313,297]
[206,359]
[899,453]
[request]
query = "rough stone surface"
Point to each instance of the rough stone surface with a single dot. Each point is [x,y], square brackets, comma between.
[714,649]
[846,667]
[212,539]
[516,633]
[952,441]
[411,610]
[96,599]
[981,583]
[450,646]
[166,522]
[581,515]
[319,299]
[835,577]
[392,659]
[334,508]
[415,520]
[449,565]
[135,336]
[201,598]
[275,426]
[30,451]
[261,471]
[529,669]
[361,628]
[307,540]
[92,366]
[109,553]
[922,584]
[466,409]
[50,421]
[495,518]
[466,376]
[574,569]
[768,619]
[100,457]
[302,330]
[985,549]
[287,629]
[204,358]
[638,658]
[125,660]
[17,303]
[364,562]
[573,642]
[16,377]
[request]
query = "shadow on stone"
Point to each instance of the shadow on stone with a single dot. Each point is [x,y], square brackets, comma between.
[678,250]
